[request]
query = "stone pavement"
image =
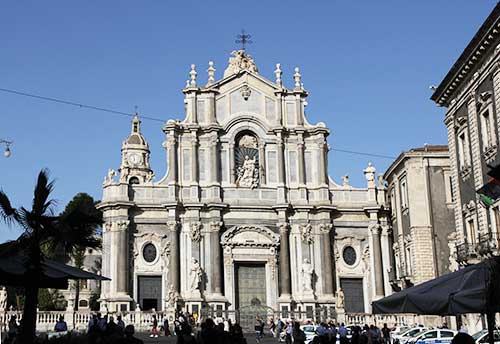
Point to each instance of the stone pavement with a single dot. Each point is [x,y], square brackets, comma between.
[172,340]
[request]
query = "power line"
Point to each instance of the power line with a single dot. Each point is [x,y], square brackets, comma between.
[363,153]
[80,105]
[116,112]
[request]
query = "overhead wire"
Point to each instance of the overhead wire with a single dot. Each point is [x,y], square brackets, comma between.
[147,117]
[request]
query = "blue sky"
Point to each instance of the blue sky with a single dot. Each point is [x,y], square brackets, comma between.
[367,65]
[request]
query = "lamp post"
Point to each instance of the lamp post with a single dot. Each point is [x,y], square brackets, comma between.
[7,153]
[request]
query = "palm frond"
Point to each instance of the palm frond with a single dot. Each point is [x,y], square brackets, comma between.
[43,189]
[7,213]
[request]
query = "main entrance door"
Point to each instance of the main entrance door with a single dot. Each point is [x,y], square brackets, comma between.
[251,294]
[149,292]
[353,294]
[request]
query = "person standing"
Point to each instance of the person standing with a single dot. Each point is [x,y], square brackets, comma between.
[298,336]
[343,334]
[272,327]
[259,328]
[154,329]
[61,325]
[166,327]
[386,334]
[120,323]
[129,336]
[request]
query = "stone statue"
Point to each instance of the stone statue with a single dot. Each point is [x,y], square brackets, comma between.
[381,181]
[307,275]
[340,299]
[238,61]
[195,231]
[246,173]
[3,298]
[150,176]
[109,179]
[172,296]
[370,175]
[195,275]
[345,180]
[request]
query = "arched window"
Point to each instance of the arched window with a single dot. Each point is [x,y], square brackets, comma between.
[246,157]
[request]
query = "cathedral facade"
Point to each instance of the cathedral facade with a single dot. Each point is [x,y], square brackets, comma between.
[246,212]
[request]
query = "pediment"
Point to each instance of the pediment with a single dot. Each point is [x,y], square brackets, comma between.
[250,236]
[249,78]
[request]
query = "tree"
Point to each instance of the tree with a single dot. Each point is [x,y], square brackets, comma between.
[50,300]
[81,202]
[42,229]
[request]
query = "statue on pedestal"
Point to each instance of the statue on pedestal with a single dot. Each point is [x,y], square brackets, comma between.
[195,275]
[340,299]
[172,297]
[307,275]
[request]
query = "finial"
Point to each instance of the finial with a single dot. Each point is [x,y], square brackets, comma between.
[211,73]
[193,74]
[243,39]
[188,82]
[278,73]
[297,76]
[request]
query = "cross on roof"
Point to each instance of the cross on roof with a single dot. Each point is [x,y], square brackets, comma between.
[243,39]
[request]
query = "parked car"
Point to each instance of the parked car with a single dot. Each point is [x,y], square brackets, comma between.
[310,332]
[410,333]
[482,336]
[433,336]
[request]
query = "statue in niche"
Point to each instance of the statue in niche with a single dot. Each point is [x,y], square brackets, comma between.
[195,275]
[172,296]
[340,299]
[247,162]
[307,275]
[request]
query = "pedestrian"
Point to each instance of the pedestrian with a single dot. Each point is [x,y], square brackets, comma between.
[166,327]
[258,329]
[154,328]
[298,336]
[322,331]
[386,334]
[272,327]
[61,325]
[343,334]
[120,323]
[129,336]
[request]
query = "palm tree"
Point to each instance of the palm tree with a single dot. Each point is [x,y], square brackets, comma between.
[42,232]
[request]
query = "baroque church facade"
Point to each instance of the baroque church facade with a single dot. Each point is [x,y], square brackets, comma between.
[246,212]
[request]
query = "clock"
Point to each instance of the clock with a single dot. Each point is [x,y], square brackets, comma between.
[134,159]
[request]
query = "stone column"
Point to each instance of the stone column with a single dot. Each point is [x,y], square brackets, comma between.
[322,163]
[194,158]
[262,163]
[173,227]
[386,246]
[328,272]
[302,164]
[231,163]
[281,161]
[214,161]
[215,249]
[171,146]
[284,271]
[377,259]
[122,264]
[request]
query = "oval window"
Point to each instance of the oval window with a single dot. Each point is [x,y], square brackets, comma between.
[349,255]
[149,252]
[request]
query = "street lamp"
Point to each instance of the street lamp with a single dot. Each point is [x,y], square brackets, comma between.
[7,153]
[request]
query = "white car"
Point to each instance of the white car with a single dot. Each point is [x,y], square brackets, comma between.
[482,337]
[310,332]
[434,336]
[406,335]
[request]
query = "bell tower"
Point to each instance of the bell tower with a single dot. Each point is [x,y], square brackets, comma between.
[134,168]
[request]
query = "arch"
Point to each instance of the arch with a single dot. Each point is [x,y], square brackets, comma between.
[261,237]
[245,122]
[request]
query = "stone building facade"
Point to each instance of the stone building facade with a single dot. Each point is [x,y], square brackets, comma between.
[246,213]
[422,217]
[470,92]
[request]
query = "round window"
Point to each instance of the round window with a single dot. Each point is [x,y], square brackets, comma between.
[349,255]
[149,252]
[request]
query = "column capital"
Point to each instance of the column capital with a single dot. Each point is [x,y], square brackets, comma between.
[173,226]
[215,226]
[107,226]
[386,230]
[325,227]
[283,227]
[122,225]
[374,228]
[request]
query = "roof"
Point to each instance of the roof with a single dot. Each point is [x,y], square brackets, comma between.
[427,150]
[461,69]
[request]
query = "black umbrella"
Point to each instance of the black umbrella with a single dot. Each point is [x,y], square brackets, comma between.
[54,274]
[472,289]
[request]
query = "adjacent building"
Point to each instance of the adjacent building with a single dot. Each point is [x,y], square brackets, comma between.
[470,92]
[246,214]
[422,217]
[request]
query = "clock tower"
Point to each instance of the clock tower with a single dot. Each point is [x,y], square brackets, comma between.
[134,168]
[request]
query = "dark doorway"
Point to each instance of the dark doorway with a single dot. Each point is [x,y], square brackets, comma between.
[149,292]
[353,294]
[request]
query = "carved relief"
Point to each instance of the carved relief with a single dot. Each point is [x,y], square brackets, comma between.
[249,236]
[325,227]
[306,233]
[240,60]
[195,231]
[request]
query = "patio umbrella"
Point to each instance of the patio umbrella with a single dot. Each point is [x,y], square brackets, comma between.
[472,289]
[54,274]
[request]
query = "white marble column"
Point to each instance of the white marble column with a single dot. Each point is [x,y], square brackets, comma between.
[284,262]
[262,163]
[377,259]
[322,164]
[328,272]
[231,163]
[122,263]
[301,158]
[171,146]
[173,228]
[215,248]
[194,158]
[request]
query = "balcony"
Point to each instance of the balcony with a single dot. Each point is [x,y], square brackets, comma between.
[465,253]
[488,244]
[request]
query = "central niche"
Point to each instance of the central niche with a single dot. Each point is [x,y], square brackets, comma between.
[246,161]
